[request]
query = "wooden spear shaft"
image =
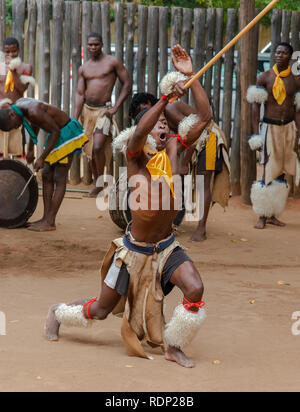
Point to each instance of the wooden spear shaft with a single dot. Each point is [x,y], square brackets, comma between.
[228,46]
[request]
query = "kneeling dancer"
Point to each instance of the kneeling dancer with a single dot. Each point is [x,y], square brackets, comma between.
[144,266]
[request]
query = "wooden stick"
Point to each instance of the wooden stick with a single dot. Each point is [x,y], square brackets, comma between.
[228,46]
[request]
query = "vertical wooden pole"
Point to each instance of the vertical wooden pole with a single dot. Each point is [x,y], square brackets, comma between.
[18,23]
[106,34]
[199,39]
[163,41]
[142,46]
[96,17]
[67,57]
[129,56]
[57,51]
[76,63]
[153,41]
[211,27]
[218,65]
[119,43]
[228,76]
[186,37]
[295,30]
[176,27]
[32,26]
[286,25]
[43,7]
[248,77]
[2,22]
[276,32]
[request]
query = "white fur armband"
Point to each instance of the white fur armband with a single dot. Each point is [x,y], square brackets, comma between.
[15,63]
[169,81]
[119,143]
[257,94]
[3,102]
[297,102]
[27,80]
[186,125]
[72,316]
[256,142]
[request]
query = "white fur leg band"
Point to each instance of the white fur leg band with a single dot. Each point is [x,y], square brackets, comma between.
[257,94]
[256,142]
[269,200]
[183,326]
[169,81]
[72,316]
[27,80]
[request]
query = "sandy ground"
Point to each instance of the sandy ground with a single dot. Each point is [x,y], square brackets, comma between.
[248,329]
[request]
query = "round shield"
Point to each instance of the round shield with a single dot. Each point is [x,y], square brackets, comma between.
[15,211]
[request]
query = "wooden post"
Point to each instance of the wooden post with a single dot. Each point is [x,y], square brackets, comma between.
[248,77]
[67,57]
[32,26]
[119,42]
[129,56]
[276,32]
[176,27]
[76,63]
[163,41]
[96,17]
[199,39]
[228,76]
[105,16]
[218,66]
[210,43]
[87,6]
[43,7]
[2,22]
[286,25]
[142,46]
[18,23]
[186,38]
[295,30]
[152,61]
[56,57]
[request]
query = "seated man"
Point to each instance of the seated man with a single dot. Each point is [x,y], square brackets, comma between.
[148,262]
[64,137]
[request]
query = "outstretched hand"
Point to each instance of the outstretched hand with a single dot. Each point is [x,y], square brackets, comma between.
[182,61]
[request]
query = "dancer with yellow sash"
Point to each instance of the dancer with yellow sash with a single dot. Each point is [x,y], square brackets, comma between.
[279,90]
[144,266]
[64,137]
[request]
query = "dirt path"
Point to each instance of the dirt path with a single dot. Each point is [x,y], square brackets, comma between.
[248,329]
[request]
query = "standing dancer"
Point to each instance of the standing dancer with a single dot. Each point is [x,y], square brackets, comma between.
[279,90]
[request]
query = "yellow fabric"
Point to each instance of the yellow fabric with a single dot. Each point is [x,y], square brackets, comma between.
[9,83]
[279,91]
[160,165]
[211,151]
[63,152]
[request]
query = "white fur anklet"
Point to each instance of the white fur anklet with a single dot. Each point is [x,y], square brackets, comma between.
[72,316]
[256,142]
[270,200]
[183,326]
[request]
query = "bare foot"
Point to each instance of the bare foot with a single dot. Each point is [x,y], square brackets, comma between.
[176,355]
[41,226]
[275,222]
[199,235]
[52,325]
[34,223]
[261,224]
[93,193]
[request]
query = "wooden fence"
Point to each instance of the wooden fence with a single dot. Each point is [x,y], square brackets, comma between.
[51,42]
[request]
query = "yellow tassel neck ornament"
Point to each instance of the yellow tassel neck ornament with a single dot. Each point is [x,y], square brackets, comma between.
[160,166]
[279,91]
[9,83]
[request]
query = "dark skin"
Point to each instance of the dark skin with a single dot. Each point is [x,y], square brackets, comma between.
[11,52]
[152,226]
[43,116]
[96,80]
[274,111]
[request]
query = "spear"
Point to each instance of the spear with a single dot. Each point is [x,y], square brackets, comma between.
[228,46]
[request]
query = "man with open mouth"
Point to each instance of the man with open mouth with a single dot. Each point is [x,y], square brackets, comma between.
[141,268]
